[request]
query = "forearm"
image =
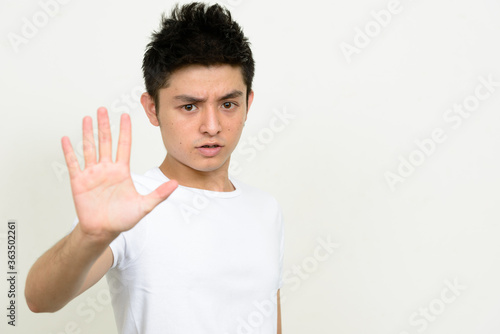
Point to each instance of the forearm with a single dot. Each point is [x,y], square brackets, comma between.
[57,276]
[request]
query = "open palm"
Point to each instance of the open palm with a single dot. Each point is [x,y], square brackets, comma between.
[105,198]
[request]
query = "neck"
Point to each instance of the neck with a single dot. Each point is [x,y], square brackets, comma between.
[217,180]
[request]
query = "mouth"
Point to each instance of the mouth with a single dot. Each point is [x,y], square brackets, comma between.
[209,146]
[209,150]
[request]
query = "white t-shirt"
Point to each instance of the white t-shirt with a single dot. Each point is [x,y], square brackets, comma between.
[201,262]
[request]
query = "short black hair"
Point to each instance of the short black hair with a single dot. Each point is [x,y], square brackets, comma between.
[195,33]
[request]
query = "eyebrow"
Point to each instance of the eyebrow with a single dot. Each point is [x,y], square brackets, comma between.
[232,95]
[191,99]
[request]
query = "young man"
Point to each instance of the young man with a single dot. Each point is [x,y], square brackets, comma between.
[209,258]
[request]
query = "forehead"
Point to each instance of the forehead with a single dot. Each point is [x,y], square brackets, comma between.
[205,80]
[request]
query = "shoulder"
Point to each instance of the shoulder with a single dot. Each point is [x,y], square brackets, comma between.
[253,193]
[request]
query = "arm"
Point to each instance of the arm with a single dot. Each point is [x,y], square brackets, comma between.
[106,204]
[70,267]
[279,313]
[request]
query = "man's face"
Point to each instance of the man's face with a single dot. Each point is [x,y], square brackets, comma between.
[201,116]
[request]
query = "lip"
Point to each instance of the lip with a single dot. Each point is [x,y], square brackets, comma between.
[209,151]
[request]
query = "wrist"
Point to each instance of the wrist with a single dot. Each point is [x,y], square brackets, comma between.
[93,240]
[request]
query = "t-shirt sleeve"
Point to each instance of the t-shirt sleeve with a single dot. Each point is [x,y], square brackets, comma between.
[121,257]
[128,246]
[117,245]
[75,222]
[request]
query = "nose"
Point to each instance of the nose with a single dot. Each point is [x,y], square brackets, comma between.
[210,123]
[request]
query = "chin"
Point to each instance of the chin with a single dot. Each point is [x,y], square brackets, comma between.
[204,165]
[208,169]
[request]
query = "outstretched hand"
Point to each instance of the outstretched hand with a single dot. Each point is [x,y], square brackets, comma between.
[105,198]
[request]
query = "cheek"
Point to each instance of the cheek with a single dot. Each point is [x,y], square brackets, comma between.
[172,136]
[234,131]
[236,127]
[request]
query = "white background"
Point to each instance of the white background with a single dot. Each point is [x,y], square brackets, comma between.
[355,119]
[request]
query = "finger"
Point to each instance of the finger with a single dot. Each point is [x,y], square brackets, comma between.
[124,140]
[104,135]
[89,153]
[70,157]
[159,195]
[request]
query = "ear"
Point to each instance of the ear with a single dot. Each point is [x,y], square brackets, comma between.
[250,100]
[148,104]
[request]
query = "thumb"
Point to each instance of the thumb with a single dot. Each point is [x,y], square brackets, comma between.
[159,195]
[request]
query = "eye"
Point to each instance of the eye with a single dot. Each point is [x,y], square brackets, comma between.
[228,105]
[189,107]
